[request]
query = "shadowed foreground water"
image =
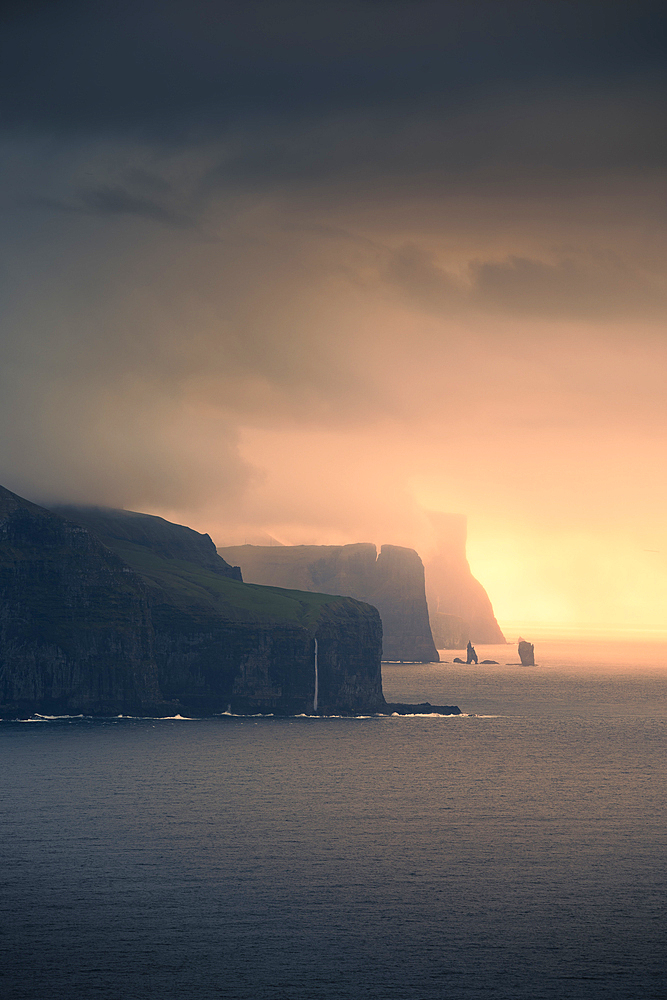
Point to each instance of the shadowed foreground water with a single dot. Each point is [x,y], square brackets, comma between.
[521,855]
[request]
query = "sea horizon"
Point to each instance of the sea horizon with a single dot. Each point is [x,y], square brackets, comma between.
[585,631]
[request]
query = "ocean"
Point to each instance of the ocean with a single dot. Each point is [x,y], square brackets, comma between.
[517,851]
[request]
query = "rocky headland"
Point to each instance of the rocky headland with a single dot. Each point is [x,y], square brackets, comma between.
[110,612]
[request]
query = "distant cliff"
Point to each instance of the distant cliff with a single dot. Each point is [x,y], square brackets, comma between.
[109,612]
[392,581]
[452,590]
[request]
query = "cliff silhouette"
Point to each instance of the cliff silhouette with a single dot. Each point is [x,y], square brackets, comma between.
[459,606]
[108,612]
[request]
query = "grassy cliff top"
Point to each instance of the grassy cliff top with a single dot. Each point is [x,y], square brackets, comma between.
[194,586]
[186,585]
[155,534]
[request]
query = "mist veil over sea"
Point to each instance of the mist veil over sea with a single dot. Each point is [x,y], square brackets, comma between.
[518,851]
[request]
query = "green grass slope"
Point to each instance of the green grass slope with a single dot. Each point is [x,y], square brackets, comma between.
[188,586]
[192,585]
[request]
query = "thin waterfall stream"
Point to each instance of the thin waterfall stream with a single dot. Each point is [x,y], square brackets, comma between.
[316,681]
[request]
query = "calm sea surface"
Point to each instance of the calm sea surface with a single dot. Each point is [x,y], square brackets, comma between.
[517,852]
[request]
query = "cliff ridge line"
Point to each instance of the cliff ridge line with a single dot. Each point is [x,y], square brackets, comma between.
[391,580]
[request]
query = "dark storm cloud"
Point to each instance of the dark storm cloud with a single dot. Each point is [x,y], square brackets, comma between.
[367,97]
[117,201]
[502,142]
[206,203]
[598,287]
[601,288]
[98,65]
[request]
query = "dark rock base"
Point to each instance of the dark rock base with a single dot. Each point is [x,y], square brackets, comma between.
[425,708]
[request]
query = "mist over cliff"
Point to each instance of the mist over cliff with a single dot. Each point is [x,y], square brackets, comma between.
[453,592]
[436,604]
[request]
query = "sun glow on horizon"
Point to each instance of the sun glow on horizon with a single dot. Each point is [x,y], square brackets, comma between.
[573,580]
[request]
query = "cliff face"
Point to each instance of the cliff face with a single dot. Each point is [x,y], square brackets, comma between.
[75,628]
[221,644]
[349,655]
[452,590]
[400,598]
[392,581]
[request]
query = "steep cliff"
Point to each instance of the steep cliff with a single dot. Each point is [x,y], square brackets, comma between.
[76,634]
[451,589]
[220,643]
[392,581]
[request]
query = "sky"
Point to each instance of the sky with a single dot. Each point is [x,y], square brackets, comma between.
[317,269]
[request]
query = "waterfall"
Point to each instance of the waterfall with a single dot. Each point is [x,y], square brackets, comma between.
[316,680]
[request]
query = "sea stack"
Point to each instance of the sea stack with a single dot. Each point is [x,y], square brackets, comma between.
[526,653]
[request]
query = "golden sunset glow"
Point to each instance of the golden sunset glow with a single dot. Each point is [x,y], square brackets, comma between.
[321,322]
[333,499]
